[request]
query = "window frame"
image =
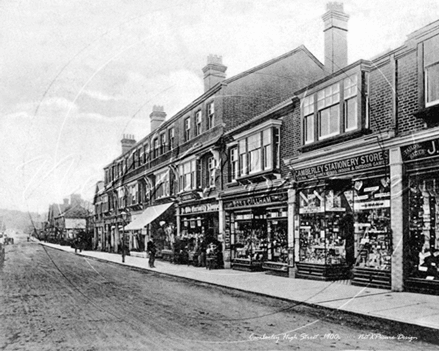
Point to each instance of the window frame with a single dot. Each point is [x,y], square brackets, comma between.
[187,128]
[210,113]
[198,122]
[171,136]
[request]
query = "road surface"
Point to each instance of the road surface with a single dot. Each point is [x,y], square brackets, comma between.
[54,300]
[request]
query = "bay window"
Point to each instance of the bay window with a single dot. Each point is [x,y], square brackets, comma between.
[331,111]
[255,153]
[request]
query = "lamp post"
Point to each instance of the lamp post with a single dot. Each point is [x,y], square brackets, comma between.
[124,218]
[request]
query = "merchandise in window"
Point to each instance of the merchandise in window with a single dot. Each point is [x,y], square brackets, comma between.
[277,235]
[372,223]
[423,241]
[325,226]
[250,234]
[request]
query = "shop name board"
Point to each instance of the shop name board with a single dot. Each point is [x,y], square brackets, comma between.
[351,164]
[420,150]
[201,208]
[260,200]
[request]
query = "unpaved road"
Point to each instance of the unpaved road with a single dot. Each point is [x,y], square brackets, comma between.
[53,300]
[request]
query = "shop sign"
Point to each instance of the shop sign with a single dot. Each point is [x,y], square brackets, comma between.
[257,200]
[351,164]
[371,205]
[200,208]
[420,150]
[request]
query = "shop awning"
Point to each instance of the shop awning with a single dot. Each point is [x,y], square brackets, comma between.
[146,217]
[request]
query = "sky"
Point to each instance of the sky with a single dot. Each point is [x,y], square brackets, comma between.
[77,75]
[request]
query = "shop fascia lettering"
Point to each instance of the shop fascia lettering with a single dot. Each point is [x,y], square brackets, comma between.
[374,159]
[420,150]
[257,200]
[201,208]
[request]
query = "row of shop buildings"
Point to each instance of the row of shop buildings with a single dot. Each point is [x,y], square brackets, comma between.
[310,170]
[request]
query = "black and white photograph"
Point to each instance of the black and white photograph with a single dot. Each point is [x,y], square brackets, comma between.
[219,175]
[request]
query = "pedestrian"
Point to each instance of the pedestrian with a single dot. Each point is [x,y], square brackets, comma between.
[151,249]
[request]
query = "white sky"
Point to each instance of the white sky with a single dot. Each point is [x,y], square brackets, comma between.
[76,75]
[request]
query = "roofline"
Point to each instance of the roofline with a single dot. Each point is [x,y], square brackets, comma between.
[274,60]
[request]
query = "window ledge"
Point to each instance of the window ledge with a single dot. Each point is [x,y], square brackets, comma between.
[257,177]
[429,115]
[334,140]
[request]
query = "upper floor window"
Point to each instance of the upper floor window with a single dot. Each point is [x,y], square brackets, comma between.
[331,111]
[255,153]
[198,123]
[163,142]
[171,138]
[187,128]
[211,115]
[162,187]
[146,152]
[233,162]
[187,176]
[431,72]
[155,147]
[212,165]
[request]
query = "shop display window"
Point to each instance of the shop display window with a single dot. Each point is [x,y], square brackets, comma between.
[372,223]
[423,242]
[277,245]
[325,217]
[251,236]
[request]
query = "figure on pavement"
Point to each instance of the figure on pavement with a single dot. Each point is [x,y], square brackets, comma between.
[151,249]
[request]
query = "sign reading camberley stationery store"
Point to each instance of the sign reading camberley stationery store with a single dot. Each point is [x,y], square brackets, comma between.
[351,164]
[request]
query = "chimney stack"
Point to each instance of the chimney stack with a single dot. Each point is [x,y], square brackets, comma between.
[214,71]
[127,142]
[335,37]
[156,117]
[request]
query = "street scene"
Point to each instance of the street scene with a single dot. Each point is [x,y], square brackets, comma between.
[56,300]
[219,175]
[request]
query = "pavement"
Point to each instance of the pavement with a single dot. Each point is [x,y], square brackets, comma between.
[408,309]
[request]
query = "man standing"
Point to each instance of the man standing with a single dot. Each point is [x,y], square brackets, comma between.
[151,249]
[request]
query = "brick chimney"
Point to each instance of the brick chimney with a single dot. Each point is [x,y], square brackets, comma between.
[127,142]
[156,117]
[214,71]
[335,37]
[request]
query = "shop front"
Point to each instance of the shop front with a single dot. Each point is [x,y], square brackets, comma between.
[199,232]
[422,201]
[343,220]
[256,232]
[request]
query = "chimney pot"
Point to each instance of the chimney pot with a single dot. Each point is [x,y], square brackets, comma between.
[127,142]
